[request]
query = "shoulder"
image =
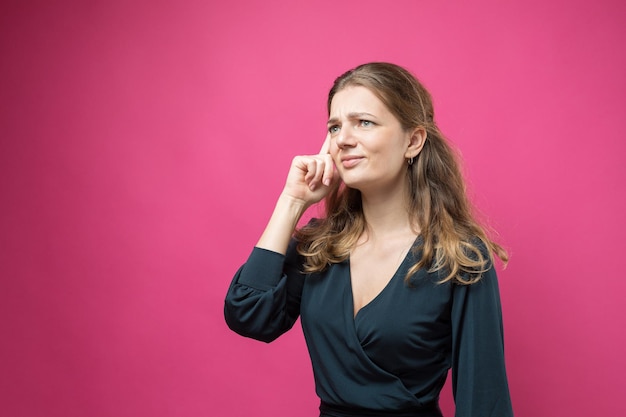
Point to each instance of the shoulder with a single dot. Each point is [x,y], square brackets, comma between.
[476,261]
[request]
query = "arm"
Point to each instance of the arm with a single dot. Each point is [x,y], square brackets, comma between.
[263,300]
[309,181]
[479,381]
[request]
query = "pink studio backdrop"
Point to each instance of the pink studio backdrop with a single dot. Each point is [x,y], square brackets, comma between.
[142,145]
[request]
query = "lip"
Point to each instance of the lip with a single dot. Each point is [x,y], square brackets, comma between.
[350,161]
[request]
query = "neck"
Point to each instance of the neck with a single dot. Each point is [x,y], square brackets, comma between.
[386,213]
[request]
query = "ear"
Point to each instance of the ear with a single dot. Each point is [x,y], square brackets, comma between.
[416,142]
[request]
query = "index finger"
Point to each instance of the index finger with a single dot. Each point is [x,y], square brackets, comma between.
[325,146]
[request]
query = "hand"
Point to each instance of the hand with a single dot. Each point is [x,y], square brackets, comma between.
[311,177]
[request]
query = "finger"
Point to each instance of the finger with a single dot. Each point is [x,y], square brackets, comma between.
[310,167]
[326,145]
[318,172]
[329,171]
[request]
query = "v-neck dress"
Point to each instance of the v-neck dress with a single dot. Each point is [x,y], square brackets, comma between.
[392,358]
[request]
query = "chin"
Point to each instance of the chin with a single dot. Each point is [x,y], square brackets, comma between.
[351,183]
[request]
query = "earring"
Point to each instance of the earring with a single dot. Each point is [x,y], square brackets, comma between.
[411,161]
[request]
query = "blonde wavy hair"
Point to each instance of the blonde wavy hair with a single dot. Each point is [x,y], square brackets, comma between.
[451,241]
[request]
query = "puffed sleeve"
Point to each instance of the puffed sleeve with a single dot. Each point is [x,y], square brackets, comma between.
[263,300]
[479,381]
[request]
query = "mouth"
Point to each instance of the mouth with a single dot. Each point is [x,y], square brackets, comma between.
[350,161]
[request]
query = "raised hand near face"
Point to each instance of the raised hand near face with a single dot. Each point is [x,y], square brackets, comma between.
[311,177]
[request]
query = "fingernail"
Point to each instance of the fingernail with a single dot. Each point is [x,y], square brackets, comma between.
[327,182]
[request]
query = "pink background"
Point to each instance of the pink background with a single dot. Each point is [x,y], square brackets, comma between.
[143,143]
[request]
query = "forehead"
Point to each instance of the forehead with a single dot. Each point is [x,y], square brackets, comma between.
[357,99]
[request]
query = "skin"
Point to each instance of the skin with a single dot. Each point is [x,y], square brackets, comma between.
[367,143]
[366,148]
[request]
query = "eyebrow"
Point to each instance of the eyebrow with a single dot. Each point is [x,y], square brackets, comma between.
[351,116]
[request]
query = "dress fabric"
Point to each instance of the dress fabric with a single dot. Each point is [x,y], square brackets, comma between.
[393,357]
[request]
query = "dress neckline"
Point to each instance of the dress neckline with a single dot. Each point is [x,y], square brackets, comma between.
[394,277]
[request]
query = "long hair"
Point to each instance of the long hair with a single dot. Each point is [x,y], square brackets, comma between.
[451,241]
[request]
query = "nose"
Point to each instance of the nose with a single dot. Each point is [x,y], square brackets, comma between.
[345,137]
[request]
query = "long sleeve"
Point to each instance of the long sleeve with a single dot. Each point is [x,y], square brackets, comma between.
[479,379]
[263,300]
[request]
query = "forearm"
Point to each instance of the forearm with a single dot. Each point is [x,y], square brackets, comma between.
[282,224]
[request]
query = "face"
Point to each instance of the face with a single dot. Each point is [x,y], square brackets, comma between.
[367,142]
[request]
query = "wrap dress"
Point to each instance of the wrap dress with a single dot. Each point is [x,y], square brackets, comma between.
[393,357]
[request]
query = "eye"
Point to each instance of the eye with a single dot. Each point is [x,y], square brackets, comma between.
[333,129]
[365,123]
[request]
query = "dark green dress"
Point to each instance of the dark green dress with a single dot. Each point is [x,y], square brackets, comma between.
[394,356]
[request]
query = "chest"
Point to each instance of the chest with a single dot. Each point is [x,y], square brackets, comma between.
[402,324]
[372,269]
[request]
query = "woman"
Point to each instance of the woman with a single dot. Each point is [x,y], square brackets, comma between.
[396,284]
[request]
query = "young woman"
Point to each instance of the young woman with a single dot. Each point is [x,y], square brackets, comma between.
[396,284]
